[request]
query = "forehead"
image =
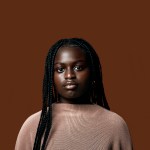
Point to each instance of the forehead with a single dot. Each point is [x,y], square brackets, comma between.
[69,54]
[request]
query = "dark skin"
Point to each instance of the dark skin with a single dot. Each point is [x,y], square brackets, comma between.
[72,76]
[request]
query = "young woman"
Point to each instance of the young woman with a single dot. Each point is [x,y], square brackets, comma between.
[75,113]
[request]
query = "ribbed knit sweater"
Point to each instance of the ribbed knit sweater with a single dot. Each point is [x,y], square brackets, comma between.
[78,127]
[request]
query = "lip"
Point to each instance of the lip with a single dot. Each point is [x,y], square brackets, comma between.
[70,85]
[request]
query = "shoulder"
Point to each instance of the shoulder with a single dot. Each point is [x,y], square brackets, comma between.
[111,121]
[109,116]
[116,129]
[115,119]
[27,132]
[32,121]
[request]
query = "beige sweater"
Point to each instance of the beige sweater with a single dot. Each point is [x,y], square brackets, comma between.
[78,127]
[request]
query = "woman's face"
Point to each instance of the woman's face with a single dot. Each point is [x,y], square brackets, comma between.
[71,74]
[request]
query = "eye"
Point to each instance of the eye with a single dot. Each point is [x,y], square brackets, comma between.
[78,68]
[60,69]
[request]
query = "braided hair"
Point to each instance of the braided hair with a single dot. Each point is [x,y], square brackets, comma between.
[97,95]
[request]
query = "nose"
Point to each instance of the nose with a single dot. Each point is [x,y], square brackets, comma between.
[70,74]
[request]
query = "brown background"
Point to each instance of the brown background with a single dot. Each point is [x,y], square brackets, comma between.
[118,30]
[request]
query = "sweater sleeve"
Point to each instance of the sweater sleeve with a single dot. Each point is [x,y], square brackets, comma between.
[121,135]
[26,136]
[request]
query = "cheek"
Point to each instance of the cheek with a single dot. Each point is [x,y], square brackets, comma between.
[85,79]
[57,80]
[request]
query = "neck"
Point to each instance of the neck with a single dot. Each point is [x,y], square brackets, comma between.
[80,100]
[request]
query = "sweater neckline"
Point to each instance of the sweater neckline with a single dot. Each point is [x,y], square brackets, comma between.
[72,107]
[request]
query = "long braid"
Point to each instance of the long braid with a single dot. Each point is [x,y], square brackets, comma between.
[50,99]
[46,114]
[42,123]
[49,107]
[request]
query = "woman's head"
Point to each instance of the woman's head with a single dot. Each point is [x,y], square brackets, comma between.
[74,46]
[72,74]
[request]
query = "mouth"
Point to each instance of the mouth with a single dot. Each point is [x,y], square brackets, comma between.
[70,86]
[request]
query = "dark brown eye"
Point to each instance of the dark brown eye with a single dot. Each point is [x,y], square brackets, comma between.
[78,68]
[60,69]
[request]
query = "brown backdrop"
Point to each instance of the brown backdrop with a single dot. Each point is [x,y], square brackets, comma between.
[118,30]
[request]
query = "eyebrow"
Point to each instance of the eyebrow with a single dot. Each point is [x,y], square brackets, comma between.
[73,62]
